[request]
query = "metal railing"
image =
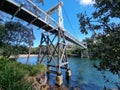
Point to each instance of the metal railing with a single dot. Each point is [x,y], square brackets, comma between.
[32,7]
[74,39]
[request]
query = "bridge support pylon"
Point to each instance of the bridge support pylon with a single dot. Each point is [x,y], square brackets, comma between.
[48,52]
[84,52]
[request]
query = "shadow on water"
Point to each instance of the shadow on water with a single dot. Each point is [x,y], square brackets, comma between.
[84,75]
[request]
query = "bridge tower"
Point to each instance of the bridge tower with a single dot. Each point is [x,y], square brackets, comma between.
[48,50]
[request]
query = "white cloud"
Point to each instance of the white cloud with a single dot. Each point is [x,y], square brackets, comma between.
[87,2]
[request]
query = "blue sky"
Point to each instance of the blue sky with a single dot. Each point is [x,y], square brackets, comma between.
[71,8]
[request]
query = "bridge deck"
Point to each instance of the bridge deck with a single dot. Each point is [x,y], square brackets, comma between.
[11,7]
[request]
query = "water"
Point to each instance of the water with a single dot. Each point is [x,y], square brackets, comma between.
[84,75]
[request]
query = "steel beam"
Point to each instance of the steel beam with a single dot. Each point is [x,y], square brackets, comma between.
[17,11]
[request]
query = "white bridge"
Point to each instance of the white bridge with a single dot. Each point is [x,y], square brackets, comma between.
[38,18]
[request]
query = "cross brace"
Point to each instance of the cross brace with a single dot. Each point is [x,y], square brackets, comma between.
[48,51]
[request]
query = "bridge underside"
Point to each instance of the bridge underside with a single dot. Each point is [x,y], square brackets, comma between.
[11,8]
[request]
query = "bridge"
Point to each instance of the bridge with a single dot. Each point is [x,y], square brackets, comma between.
[32,14]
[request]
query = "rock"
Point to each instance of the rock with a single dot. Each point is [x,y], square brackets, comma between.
[39,81]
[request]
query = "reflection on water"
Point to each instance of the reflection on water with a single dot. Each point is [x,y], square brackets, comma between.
[84,75]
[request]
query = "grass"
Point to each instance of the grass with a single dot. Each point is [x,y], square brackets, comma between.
[12,74]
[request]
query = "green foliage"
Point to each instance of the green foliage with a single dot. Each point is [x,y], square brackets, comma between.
[12,78]
[12,74]
[17,33]
[76,50]
[111,51]
[22,49]
[36,69]
[69,52]
[35,50]
[12,36]
[109,8]
[2,32]
[33,69]
[105,10]
[102,19]
[106,43]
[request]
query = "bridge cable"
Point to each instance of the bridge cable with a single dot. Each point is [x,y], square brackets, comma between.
[69,22]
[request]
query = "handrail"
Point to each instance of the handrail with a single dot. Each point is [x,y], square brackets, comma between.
[39,12]
[75,40]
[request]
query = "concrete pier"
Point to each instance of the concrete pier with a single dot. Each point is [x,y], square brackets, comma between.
[48,68]
[59,80]
[68,74]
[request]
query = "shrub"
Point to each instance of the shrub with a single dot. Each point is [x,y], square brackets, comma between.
[12,74]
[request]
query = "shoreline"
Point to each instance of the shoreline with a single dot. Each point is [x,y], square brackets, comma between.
[36,55]
[31,55]
[26,55]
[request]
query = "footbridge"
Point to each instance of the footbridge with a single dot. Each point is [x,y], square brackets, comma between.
[31,13]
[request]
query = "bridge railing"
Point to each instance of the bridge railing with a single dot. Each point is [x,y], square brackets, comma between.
[75,40]
[32,7]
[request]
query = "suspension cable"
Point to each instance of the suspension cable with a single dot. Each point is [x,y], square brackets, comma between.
[69,22]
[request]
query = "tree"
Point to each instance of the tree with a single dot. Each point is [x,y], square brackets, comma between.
[14,34]
[76,50]
[102,19]
[41,1]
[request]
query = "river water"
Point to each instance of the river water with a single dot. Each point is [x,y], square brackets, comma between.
[84,75]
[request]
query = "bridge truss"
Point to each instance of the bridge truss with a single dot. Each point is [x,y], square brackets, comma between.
[59,49]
